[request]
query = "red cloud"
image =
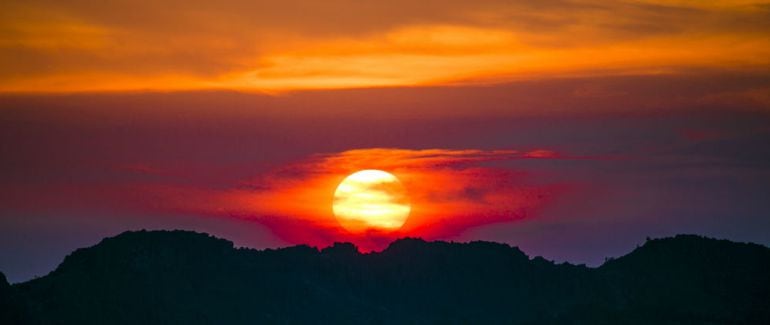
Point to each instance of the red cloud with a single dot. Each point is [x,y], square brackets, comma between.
[450,191]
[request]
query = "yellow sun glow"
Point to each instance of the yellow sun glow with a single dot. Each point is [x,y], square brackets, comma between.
[371,199]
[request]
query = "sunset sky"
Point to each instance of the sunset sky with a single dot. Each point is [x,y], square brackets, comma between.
[275,46]
[572,129]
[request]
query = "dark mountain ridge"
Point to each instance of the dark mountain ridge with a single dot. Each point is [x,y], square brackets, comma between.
[159,277]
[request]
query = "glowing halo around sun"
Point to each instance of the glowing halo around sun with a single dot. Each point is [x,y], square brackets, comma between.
[371,200]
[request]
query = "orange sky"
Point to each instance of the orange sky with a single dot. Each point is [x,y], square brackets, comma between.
[273,46]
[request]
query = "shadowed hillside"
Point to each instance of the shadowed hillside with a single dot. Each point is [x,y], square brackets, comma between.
[190,278]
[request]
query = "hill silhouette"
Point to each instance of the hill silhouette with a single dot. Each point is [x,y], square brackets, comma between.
[154,277]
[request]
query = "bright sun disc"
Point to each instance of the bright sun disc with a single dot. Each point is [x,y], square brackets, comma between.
[371,199]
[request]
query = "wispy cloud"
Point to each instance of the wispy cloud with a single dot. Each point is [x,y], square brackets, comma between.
[55,46]
[450,192]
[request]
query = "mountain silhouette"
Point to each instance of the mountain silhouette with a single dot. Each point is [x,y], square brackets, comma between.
[180,277]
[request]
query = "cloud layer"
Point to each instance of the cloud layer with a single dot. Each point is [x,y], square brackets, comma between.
[62,46]
[450,192]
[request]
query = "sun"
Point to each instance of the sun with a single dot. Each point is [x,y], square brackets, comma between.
[371,200]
